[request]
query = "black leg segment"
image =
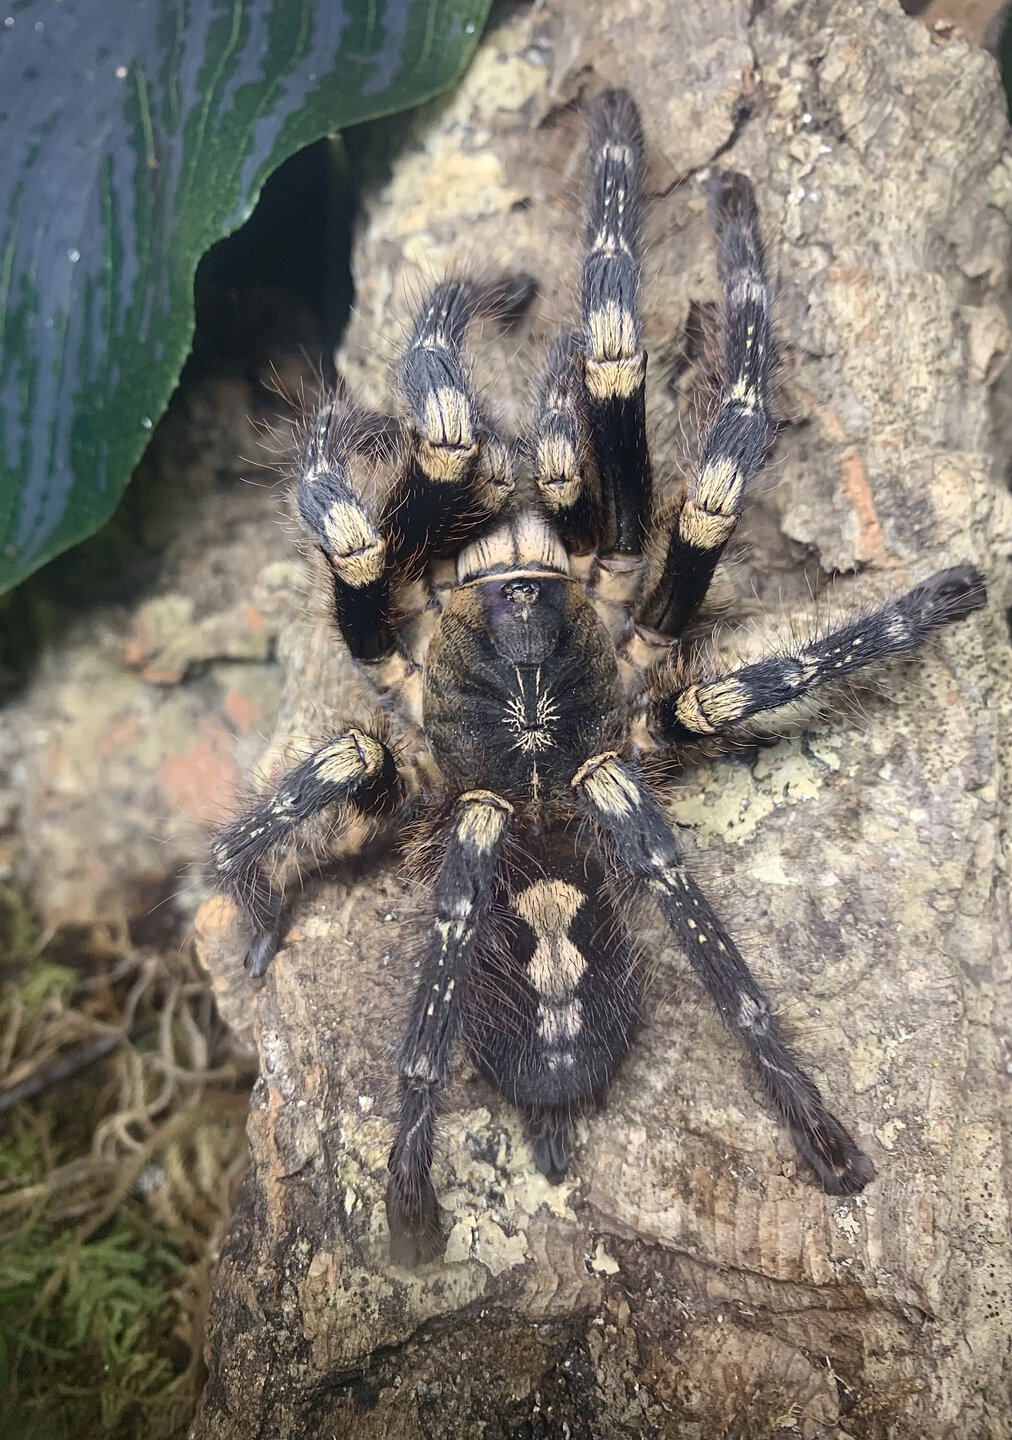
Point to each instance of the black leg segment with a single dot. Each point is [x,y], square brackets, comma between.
[612,794]
[353,768]
[463,897]
[615,362]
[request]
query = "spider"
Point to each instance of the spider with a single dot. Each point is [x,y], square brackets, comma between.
[541,681]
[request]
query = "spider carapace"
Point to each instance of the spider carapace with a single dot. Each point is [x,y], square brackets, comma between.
[542,678]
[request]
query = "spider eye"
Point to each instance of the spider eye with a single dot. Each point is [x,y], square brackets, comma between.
[522,592]
[523,616]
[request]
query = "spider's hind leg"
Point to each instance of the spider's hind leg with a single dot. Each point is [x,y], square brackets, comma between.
[550,1130]
[646,849]
[463,898]
[352,768]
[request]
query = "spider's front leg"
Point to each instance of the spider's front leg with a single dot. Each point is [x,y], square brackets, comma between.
[352,545]
[736,440]
[612,794]
[353,768]
[459,471]
[614,360]
[560,462]
[463,898]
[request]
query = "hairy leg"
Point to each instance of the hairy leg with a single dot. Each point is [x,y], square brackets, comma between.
[613,795]
[681,709]
[352,768]
[463,898]
[614,361]
[352,544]
[561,464]
[736,440]
[459,472]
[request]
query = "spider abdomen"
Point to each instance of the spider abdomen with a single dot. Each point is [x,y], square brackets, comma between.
[556,999]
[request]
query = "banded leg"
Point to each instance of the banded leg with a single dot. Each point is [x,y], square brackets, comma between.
[715,704]
[615,362]
[459,473]
[561,463]
[351,542]
[736,440]
[463,897]
[353,768]
[644,846]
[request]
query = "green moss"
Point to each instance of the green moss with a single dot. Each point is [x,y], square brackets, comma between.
[84,1343]
[18,929]
[80,1333]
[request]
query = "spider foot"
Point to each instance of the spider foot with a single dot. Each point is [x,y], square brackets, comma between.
[261,952]
[549,1131]
[839,1166]
[416,1236]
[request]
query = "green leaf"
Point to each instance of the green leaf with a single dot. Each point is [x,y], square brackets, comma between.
[133,134]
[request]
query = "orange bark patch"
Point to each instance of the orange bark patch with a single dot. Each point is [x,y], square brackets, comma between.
[253,618]
[202,783]
[242,711]
[214,929]
[849,274]
[161,675]
[870,539]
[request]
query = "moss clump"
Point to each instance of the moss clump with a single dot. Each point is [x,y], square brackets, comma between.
[80,1327]
[114,1184]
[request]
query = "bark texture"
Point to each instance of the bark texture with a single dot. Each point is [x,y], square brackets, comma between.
[688,1280]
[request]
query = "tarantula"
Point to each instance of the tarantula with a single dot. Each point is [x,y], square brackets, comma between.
[541,680]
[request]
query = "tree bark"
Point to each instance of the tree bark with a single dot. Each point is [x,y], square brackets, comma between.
[689,1279]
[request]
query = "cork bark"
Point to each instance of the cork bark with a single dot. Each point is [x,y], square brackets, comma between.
[688,1279]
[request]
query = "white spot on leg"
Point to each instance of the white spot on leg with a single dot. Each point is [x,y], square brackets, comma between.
[898,631]
[747,1011]
[753,1014]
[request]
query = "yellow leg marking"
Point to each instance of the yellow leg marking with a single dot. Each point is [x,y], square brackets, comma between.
[746,395]
[482,819]
[355,548]
[606,785]
[670,881]
[443,464]
[558,472]
[612,333]
[615,379]
[706,708]
[448,419]
[495,479]
[354,757]
[703,530]
[719,487]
